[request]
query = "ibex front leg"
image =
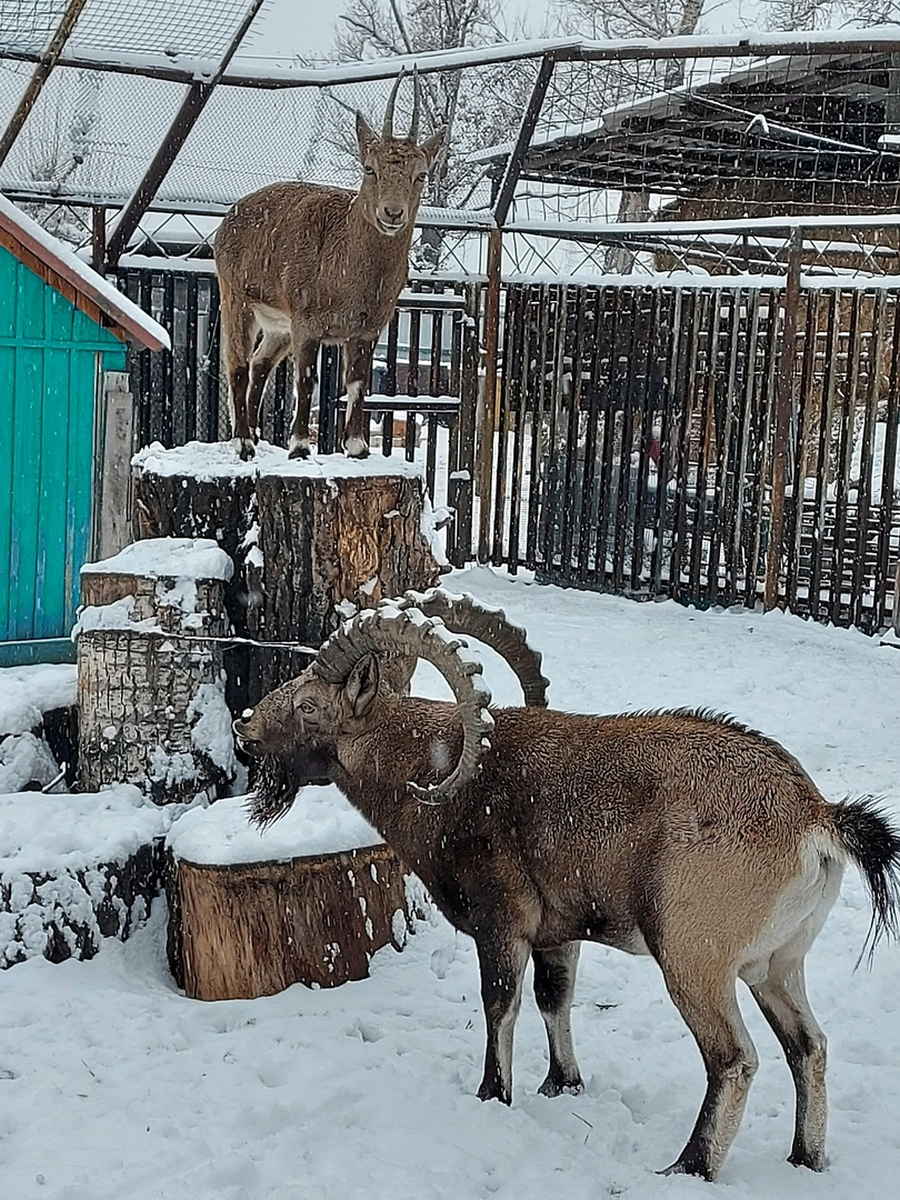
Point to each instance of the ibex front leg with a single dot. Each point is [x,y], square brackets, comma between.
[502,957]
[358,368]
[306,387]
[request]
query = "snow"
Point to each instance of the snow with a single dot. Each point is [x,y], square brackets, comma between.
[107,294]
[24,760]
[211,731]
[114,1084]
[245,70]
[26,693]
[176,558]
[116,615]
[220,460]
[711,225]
[59,833]
[322,821]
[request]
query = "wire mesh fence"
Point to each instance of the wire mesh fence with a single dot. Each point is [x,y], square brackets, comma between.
[199,27]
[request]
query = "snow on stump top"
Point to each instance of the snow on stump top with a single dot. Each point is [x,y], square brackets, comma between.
[75,869]
[152,706]
[307,901]
[305,536]
[207,461]
[173,558]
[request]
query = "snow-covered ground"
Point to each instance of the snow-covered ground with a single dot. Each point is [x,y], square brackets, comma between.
[112,1084]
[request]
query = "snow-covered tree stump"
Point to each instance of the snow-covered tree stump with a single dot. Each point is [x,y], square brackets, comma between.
[248,917]
[304,537]
[152,707]
[75,869]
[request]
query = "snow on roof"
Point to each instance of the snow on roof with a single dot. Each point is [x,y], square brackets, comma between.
[668,102]
[167,557]
[245,70]
[220,460]
[133,323]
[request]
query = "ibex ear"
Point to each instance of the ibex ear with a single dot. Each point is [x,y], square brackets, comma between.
[366,137]
[432,146]
[361,687]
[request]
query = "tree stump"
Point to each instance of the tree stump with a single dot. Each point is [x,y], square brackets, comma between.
[152,708]
[304,535]
[240,928]
[75,869]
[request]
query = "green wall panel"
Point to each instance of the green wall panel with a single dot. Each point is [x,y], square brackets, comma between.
[51,355]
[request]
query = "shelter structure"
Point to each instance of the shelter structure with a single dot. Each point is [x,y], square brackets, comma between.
[67,413]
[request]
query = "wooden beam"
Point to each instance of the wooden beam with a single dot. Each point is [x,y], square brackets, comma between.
[185,119]
[40,75]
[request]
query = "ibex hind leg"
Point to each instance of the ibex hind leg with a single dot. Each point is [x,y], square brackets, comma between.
[554,989]
[273,347]
[306,387]
[783,1001]
[706,999]
[238,336]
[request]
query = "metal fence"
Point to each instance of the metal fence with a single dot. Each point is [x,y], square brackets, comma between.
[423,390]
[636,430]
[638,435]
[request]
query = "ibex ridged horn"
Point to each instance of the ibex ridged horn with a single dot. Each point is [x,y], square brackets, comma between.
[414,123]
[387,130]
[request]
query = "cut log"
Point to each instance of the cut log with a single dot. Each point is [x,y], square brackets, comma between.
[152,707]
[304,536]
[75,869]
[244,927]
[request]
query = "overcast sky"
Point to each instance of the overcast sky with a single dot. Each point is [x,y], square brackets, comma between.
[305,27]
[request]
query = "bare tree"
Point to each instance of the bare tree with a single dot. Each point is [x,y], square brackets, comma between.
[478,107]
[822,14]
[57,152]
[639,18]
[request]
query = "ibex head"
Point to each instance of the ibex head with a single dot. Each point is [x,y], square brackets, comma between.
[394,168]
[295,731]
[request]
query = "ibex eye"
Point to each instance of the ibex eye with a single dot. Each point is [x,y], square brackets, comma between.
[368,170]
[421,178]
[307,706]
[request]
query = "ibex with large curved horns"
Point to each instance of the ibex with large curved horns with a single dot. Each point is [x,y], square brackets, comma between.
[299,265]
[680,835]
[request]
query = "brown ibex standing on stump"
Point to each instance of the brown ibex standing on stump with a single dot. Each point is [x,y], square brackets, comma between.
[680,835]
[300,264]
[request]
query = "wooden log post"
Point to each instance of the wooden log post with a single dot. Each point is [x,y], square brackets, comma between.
[304,537]
[152,707]
[247,920]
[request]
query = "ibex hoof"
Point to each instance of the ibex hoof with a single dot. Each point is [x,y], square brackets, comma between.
[561,1087]
[246,449]
[355,447]
[298,448]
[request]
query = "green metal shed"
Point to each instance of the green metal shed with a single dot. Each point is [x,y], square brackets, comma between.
[65,437]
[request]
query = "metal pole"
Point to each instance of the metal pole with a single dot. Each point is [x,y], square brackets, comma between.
[513,169]
[191,107]
[98,237]
[784,388]
[41,74]
[489,400]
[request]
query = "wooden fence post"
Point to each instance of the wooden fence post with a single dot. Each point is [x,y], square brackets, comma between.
[784,390]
